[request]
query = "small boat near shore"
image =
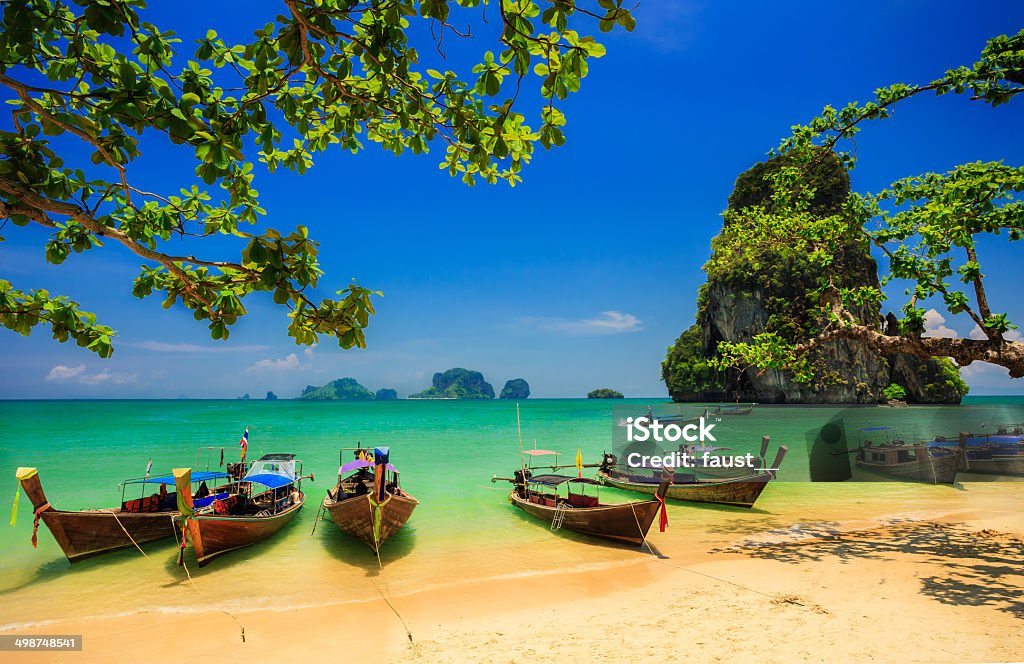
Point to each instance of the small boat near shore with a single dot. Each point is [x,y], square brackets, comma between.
[539,496]
[367,502]
[90,532]
[739,491]
[999,454]
[896,460]
[737,409]
[260,504]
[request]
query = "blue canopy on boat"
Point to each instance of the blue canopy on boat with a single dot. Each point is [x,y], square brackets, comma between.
[197,476]
[269,479]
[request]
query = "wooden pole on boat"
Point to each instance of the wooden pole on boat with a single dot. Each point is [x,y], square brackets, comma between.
[964,461]
[522,457]
[780,454]
[765,440]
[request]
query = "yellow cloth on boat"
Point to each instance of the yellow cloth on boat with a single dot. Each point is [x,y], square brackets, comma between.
[14,507]
[183,484]
[24,473]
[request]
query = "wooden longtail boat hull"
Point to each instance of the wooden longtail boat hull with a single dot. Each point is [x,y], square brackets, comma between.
[214,534]
[996,465]
[738,492]
[930,469]
[355,516]
[88,533]
[628,522]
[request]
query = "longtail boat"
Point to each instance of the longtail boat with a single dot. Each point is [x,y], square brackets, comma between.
[367,502]
[1000,453]
[538,496]
[670,418]
[898,461]
[740,491]
[724,409]
[91,532]
[262,502]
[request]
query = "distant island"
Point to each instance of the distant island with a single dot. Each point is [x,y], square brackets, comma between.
[343,389]
[271,396]
[517,388]
[457,384]
[604,393]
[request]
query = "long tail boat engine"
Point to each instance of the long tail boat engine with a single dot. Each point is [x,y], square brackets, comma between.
[236,470]
[608,462]
[521,476]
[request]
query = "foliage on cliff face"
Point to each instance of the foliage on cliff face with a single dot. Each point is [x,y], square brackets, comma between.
[942,377]
[895,392]
[686,369]
[604,393]
[790,202]
[927,227]
[825,182]
[88,83]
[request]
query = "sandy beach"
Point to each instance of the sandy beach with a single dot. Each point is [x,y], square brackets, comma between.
[924,588]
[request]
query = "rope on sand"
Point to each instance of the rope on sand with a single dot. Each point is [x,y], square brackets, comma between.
[376,550]
[662,560]
[192,584]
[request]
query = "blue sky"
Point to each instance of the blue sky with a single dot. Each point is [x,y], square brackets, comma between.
[581,276]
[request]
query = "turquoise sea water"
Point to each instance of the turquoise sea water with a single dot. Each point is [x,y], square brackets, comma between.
[447,451]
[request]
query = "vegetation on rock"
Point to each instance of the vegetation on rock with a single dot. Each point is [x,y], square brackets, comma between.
[386,394]
[345,389]
[895,393]
[604,393]
[457,384]
[927,228]
[517,388]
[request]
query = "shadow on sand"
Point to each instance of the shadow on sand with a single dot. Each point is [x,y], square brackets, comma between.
[977,568]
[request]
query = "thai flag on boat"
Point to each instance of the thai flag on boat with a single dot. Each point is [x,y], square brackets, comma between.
[244,443]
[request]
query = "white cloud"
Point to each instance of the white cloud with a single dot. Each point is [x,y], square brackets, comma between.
[608,322]
[61,373]
[107,377]
[935,325]
[1011,335]
[289,363]
[164,347]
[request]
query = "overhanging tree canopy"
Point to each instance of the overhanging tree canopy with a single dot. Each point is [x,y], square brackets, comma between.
[926,228]
[325,74]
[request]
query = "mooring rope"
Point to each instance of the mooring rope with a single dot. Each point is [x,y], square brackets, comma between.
[376,549]
[192,584]
[114,514]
